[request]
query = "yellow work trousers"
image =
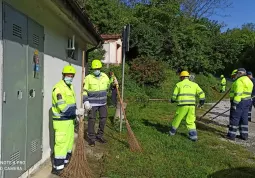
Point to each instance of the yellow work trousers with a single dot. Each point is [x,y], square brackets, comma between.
[64,139]
[187,112]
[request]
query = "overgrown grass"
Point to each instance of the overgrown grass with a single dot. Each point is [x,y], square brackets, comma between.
[166,156]
[171,157]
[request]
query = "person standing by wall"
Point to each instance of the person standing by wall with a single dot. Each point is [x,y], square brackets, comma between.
[96,86]
[64,114]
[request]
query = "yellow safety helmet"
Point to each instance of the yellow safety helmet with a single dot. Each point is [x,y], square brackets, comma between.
[184,74]
[96,64]
[68,69]
[234,72]
[221,76]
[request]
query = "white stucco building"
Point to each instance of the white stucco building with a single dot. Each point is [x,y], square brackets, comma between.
[35,32]
[113,49]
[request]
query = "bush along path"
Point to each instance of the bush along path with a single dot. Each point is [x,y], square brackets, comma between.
[177,156]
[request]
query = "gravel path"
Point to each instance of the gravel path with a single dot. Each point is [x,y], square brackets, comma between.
[223,120]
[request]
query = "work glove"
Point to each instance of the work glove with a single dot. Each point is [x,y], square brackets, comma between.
[233,106]
[115,81]
[201,103]
[172,101]
[77,119]
[79,112]
[87,106]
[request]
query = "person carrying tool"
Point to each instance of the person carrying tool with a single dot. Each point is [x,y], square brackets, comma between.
[95,99]
[249,74]
[64,113]
[240,103]
[113,87]
[185,93]
[223,84]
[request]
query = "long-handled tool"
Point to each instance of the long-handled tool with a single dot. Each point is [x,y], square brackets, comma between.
[132,141]
[156,99]
[218,116]
[222,114]
[78,166]
[215,104]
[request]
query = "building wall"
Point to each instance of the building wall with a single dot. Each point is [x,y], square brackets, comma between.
[113,55]
[1,76]
[57,31]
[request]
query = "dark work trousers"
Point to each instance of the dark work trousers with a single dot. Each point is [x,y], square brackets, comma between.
[114,96]
[250,110]
[92,119]
[239,119]
[249,113]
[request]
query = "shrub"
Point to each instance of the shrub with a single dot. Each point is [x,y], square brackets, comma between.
[147,71]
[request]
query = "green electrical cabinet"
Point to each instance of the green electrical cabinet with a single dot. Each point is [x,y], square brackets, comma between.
[35,93]
[23,47]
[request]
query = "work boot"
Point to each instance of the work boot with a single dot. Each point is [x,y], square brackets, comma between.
[101,140]
[193,140]
[56,172]
[240,137]
[91,143]
[230,138]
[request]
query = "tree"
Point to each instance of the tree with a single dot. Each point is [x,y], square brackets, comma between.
[249,26]
[109,16]
[203,8]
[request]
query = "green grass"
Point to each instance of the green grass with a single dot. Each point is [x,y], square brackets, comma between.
[166,156]
[171,157]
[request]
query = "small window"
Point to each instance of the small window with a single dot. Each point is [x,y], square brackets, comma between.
[74,54]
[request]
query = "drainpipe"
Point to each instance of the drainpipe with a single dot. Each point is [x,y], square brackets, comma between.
[87,57]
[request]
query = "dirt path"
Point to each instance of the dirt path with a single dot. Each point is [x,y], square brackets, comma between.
[223,121]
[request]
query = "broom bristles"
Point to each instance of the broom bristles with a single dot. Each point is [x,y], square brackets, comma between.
[132,141]
[78,166]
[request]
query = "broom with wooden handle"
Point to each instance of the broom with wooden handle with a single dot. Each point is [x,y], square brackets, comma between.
[78,166]
[132,141]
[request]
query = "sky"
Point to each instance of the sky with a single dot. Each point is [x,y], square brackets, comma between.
[242,11]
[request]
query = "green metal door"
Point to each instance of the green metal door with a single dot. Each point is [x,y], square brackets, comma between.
[14,91]
[35,93]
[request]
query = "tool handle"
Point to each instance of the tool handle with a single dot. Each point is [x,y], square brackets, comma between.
[215,104]
[121,103]
[156,99]
[82,77]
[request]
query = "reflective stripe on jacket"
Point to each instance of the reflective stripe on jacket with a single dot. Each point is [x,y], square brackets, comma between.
[185,93]
[63,102]
[95,89]
[242,89]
